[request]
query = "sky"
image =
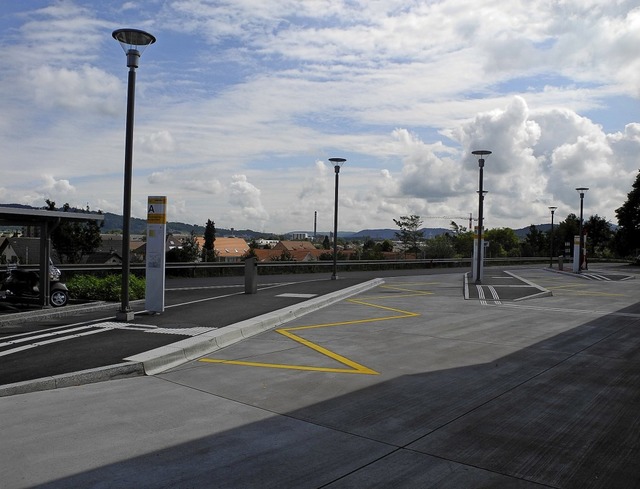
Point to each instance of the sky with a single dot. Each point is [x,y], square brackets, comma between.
[240,103]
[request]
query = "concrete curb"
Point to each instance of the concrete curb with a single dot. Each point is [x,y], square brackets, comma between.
[52,313]
[170,356]
[543,292]
[90,376]
[161,359]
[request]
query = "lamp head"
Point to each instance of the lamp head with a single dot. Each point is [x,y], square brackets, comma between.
[582,190]
[481,153]
[552,208]
[133,42]
[337,163]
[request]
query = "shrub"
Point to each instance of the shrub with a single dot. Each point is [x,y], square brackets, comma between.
[109,288]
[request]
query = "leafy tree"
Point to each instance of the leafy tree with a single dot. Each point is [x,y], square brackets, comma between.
[190,247]
[386,246]
[463,244]
[208,249]
[410,234]
[189,252]
[457,229]
[72,239]
[441,246]
[599,237]
[535,243]
[326,243]
[628,215]
[565,232]
[502,242]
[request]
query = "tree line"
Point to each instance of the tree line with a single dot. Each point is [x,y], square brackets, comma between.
[73,240]
[603,239]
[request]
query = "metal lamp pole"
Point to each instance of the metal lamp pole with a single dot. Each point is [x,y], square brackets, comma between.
[133,42]
[337,163]
[581,191]
[552,208]
[481,153]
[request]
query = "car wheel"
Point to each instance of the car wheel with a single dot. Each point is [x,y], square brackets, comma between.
[59,298]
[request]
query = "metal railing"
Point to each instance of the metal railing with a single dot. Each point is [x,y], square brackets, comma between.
[297,267]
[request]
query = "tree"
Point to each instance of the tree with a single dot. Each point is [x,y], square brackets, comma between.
[564,233]
[457,228]
[463,244]
[502,242]
[441,246]
[189,251]
[71,239]
[410,235]
[628,215]
[536,243]
[599,236]
[386,246]
[326,244]
[208,249]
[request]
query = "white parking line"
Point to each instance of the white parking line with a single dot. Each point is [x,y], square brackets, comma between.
[64,335]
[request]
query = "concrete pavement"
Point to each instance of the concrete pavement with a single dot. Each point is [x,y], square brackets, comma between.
[405,385]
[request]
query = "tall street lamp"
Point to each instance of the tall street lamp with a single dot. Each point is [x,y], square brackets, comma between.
[133,42]
[481,153]
[581,191]
[552,208]
[337,163]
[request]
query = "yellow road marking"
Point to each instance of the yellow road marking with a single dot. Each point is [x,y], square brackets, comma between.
[354,367]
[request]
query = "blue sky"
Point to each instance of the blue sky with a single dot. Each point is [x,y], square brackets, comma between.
[240,103]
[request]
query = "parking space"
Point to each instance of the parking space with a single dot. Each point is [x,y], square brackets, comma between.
[498,286]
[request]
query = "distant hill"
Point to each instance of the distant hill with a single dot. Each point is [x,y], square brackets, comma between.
[391,233]
[113,223]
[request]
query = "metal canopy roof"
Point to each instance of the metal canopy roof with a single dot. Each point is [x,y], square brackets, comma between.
[16,215]
[48,221]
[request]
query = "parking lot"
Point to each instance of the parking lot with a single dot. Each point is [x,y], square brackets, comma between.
[404,385]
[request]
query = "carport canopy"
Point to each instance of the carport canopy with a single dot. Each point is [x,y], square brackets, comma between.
[48,221]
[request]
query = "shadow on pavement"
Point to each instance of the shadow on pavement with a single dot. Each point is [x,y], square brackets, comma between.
[560,413]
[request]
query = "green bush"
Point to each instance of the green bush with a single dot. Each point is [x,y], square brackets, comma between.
[89,287]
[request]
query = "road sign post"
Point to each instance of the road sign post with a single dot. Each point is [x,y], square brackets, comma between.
[156,243]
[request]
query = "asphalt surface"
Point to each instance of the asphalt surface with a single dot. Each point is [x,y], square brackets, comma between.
[39,349]
[406,384]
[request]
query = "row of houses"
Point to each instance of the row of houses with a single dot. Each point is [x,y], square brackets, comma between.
[26,251]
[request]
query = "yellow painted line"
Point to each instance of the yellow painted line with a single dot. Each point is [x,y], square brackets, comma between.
[364,370]
[354,367]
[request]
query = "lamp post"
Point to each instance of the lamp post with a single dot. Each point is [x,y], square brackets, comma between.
[481,153]
[337,163]
[133,42]
[581,191]
[552,208]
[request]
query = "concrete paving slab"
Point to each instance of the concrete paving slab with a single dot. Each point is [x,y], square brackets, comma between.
[149,433]
[405,469]
[542,393]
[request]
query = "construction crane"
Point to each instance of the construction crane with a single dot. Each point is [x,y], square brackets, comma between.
[469,217]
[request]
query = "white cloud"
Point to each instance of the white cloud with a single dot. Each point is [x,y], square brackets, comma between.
[158,142]
[259,94]
[246,201]
[84,89]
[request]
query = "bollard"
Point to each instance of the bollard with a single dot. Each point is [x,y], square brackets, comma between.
[560,263]
[251,276]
